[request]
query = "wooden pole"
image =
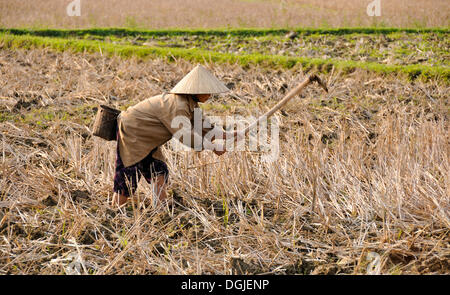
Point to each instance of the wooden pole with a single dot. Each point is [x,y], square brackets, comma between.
[289,96]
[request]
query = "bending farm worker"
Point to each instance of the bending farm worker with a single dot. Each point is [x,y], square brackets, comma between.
[146,126]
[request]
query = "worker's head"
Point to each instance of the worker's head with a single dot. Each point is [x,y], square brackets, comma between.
[202,97]
[201,83]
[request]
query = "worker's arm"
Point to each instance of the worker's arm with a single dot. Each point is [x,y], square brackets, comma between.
[180,126]
[217,133]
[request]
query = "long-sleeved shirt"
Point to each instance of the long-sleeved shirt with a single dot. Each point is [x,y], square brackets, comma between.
[148,125]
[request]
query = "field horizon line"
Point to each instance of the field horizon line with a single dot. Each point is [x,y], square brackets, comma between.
[123,31]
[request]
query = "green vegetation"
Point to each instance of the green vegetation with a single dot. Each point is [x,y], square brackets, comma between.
[201,56]
[122,32]
[42,116]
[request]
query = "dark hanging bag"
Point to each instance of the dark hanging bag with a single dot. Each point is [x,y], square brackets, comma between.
[105,124]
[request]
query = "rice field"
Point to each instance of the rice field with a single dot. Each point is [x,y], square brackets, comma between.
[163,14]
[372,154]
[361,185]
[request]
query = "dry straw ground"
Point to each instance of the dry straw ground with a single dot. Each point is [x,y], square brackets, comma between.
[223,13]
[374,154]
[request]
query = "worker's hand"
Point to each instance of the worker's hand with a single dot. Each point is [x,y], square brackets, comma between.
[219,153]
[220,150]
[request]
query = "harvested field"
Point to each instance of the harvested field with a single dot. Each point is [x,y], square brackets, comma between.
[223,13]
[372,156]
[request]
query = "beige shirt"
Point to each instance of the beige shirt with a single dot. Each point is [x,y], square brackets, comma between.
[147,125]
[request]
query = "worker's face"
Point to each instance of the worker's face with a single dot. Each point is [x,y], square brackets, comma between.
[203,97]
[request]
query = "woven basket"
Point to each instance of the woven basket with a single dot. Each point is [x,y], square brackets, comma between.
[105,124]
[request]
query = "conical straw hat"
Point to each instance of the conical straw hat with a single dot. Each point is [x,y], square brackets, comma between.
[199,81]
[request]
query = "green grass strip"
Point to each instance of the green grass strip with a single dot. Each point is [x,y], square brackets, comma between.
[123,32]
[201,56]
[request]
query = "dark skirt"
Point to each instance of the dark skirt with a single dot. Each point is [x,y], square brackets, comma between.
[126,179]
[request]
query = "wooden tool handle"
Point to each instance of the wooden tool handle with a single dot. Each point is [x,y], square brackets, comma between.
[282,102]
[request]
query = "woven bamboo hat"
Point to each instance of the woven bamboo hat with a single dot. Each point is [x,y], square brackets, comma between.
[199,81]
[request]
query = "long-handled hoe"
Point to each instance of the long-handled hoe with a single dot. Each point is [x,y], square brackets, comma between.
[311,78]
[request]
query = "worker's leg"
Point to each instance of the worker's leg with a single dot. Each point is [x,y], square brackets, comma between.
[125,180]
[119,200]
[160,182]
[156,174]
[125,184]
